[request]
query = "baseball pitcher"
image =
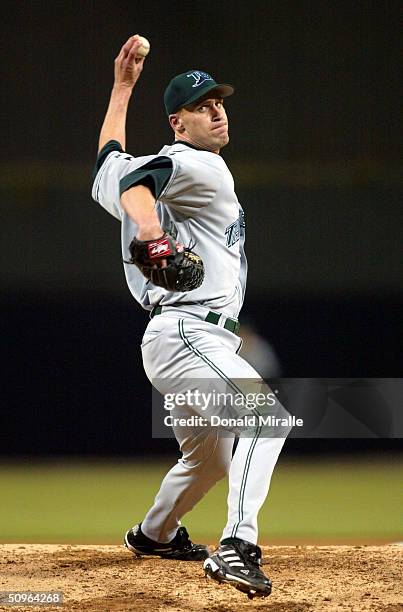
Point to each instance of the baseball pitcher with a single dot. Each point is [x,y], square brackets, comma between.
[183,234]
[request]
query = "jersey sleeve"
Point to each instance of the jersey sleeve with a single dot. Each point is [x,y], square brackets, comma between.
[155,174]
[186,181]
[113,165]
[111,145]
[194,182]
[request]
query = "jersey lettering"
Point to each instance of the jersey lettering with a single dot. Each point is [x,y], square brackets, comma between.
[171,229]
[235,230]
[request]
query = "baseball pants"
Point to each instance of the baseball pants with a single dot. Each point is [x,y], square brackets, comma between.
[177,346]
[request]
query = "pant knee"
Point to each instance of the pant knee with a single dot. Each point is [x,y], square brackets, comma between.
[212,463]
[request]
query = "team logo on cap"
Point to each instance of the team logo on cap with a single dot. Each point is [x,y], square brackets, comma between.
[199,77]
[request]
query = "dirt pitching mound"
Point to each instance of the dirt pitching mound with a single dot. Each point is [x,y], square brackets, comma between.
[110,578]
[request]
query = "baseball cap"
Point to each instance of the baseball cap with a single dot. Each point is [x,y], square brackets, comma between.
[189,87]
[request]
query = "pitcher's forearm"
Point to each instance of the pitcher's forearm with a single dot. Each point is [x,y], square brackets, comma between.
[114,125]
[139,203]
[128,67]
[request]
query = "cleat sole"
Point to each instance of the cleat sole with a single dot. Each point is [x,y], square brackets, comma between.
[212,571]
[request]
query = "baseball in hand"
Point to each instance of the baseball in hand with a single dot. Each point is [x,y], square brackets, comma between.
[144,49]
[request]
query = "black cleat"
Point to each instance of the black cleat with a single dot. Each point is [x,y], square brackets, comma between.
[239,565]
[180,548]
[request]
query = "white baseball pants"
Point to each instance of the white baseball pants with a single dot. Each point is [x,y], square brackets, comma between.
[177,345]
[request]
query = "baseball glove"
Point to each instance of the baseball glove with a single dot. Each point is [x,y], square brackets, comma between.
[184,270]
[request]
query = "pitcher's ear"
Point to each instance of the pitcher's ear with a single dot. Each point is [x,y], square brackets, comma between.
[176,124]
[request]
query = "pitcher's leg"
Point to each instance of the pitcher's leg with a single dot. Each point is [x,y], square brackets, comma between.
[210,357]
[249,480]
[206,460]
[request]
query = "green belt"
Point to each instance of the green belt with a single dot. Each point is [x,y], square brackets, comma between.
[212,317]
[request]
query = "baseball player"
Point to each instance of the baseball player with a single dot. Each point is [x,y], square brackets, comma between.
[184,195]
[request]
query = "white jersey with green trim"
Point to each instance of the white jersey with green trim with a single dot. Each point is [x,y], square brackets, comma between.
[199,207]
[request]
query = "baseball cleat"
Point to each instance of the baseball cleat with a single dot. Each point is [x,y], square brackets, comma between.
[239,564]
[180,548]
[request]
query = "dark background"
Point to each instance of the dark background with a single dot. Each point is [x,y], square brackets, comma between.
[316,152]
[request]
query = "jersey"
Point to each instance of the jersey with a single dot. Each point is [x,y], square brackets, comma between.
[197,204]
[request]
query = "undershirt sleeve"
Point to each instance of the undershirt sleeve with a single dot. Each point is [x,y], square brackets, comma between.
[111,145]
[154,175]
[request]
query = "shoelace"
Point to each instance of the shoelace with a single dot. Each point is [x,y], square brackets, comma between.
[254,556]
[184,540]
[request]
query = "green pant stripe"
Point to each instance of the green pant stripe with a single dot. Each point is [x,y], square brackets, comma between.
[231,384]
[205,358]
[243,483]
[213,365]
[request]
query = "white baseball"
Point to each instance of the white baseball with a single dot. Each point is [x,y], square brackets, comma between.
[144,49]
